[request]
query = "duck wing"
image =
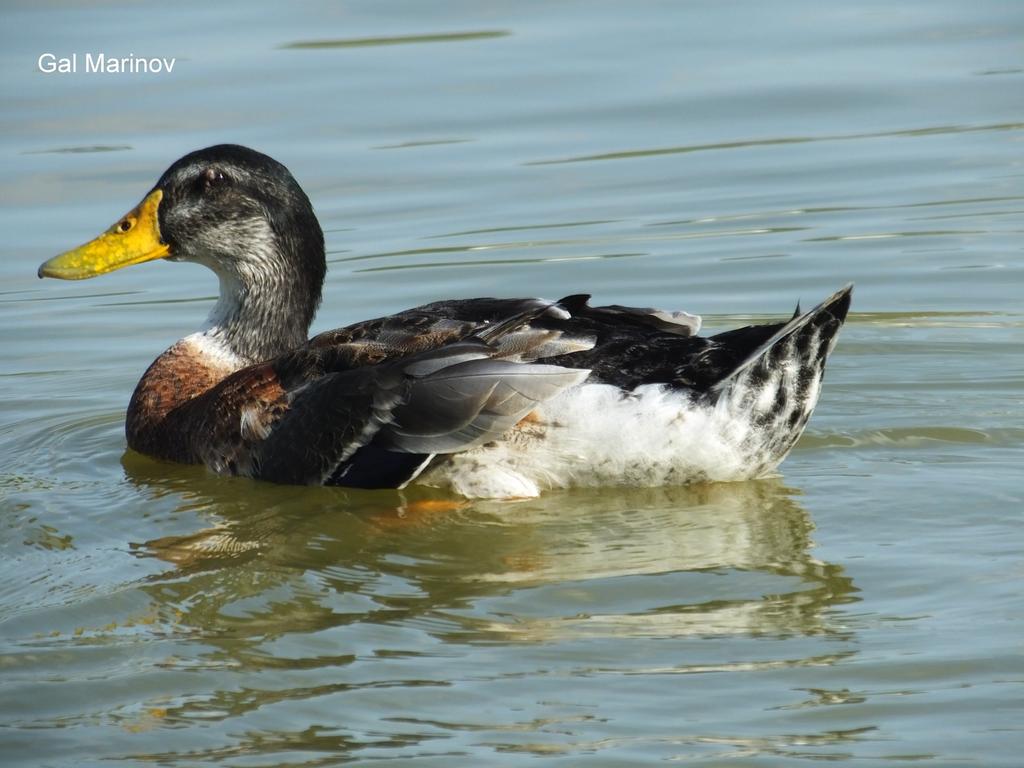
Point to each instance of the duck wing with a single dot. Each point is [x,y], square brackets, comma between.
[360,414]
[524,329]
[376,426]
[623,346]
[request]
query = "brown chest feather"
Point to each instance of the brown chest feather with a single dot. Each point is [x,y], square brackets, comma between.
[191,407]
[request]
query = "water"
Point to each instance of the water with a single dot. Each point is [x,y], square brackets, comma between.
[724,158]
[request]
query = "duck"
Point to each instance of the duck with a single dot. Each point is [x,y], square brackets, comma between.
[483,397]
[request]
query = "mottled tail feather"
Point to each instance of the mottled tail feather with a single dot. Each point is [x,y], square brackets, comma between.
[828,316]
[775,387]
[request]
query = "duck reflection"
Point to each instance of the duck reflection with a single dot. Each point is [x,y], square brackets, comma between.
[699,560]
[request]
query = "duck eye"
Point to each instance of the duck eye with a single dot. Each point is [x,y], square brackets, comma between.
[212,177]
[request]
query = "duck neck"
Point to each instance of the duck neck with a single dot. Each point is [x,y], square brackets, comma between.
[260,316]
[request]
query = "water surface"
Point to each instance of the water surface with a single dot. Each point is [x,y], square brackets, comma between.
[728,159]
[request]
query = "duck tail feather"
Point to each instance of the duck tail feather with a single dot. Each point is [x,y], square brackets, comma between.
[813,334]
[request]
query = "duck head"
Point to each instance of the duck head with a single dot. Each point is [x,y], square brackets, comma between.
[239,213]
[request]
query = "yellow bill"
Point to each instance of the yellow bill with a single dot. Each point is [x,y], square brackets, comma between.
[132,240]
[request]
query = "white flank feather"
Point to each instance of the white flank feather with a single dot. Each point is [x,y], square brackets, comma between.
[595,434]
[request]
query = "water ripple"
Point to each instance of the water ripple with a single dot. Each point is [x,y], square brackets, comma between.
[371,42]
[632,154]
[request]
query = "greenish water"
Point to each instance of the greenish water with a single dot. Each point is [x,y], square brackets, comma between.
[727,159]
